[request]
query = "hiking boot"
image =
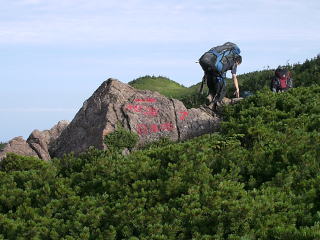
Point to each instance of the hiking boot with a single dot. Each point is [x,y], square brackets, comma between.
[209,100]
[208,109]
[211,106]
[218,107]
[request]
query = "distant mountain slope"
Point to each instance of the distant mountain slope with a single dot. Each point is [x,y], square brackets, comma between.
[304,74]
[162,85]
[308,73]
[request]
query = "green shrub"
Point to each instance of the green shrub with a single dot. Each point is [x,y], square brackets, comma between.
[14,162]
[257,179]
[2,145]
[156,144]
[121,139]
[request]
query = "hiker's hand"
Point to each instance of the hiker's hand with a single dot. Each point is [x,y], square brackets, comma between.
[237,93]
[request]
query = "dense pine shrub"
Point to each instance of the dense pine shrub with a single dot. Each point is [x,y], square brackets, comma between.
[257,179]
[304,74]
[2,145]
[121,139]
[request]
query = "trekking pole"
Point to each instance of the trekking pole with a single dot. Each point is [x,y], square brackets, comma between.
[201,86]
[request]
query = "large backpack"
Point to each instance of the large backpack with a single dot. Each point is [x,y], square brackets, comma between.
[216,57]
[282,80]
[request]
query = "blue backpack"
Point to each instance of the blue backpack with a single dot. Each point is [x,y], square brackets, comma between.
[214,58]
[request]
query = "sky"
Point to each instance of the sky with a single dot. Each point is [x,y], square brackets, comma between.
[55,54]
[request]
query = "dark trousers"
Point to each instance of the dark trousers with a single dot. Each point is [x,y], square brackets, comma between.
[216,85]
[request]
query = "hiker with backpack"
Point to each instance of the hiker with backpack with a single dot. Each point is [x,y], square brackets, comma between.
[215,63]
[281,81]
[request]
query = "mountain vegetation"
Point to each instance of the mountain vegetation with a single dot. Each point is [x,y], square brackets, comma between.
[305,74]
[163,85]
[2,145]
[258,178]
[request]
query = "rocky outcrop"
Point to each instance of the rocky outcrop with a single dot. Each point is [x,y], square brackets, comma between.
[231,101]
[41,141]
[37,144]
[150,114]
[18,146]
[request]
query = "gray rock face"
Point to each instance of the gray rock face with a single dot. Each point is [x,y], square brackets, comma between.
[41,141]
[150,114]
[19,146]
[37,144]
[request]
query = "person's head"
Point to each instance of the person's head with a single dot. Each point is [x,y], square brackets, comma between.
[238,59]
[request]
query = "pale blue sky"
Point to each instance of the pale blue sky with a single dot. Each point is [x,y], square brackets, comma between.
[54,54]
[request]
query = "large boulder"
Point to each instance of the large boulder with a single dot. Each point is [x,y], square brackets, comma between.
[37,144]
[18,146]
[150,114]
[41,141]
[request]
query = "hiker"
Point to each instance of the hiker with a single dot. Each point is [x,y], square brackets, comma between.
[281,81]
[215,63]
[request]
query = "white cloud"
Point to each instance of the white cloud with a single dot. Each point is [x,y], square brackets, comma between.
[97,21]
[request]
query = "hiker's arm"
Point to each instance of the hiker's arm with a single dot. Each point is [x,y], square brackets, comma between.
[235,82]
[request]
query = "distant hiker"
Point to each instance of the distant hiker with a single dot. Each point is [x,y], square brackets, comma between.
[281,81]
[215,63]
